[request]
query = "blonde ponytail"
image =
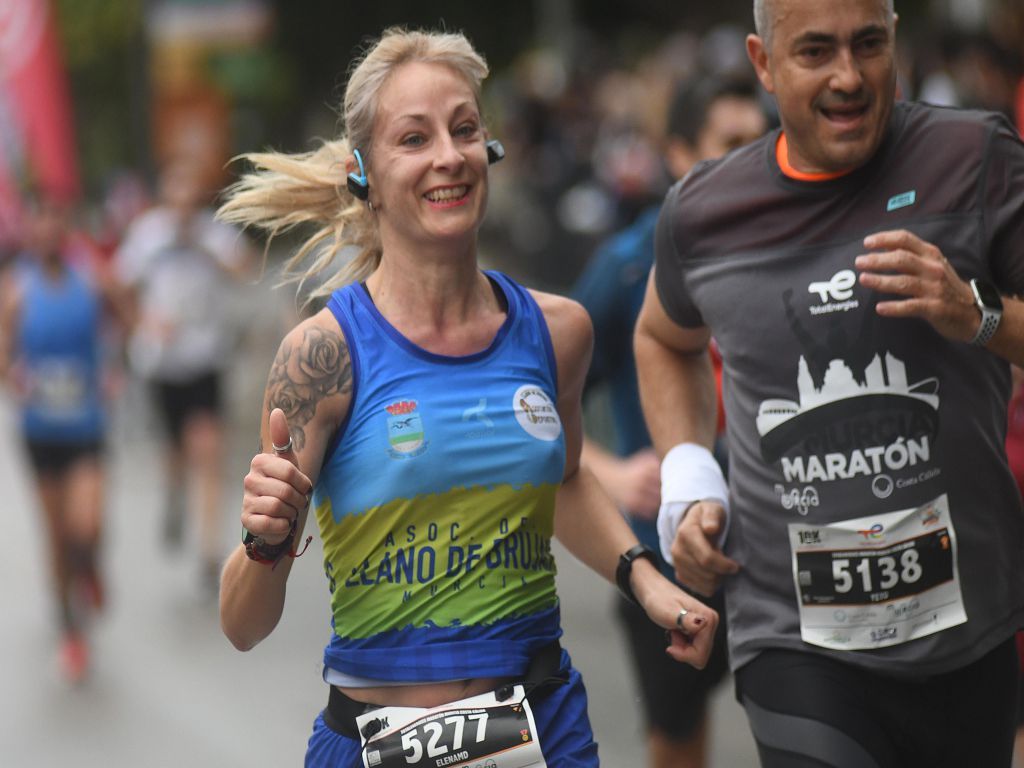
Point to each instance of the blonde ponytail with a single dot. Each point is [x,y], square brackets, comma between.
[285,191]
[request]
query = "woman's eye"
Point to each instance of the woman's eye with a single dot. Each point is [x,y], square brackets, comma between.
[413,140]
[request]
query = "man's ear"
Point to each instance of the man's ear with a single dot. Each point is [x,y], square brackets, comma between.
[758,55]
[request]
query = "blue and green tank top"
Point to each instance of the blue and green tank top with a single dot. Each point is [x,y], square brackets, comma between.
[436,503]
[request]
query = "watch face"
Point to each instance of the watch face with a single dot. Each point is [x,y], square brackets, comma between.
[987,294]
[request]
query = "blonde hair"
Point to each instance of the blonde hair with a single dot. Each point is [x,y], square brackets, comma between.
[288,190]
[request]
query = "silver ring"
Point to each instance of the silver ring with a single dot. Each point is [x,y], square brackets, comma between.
[282,448]
[680,617]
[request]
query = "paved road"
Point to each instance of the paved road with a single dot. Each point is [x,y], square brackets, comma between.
[168,690]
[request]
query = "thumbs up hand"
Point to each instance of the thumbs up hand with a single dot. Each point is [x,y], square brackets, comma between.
[276,491]
[281,436]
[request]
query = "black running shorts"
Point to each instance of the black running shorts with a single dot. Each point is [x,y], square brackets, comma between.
[807,710]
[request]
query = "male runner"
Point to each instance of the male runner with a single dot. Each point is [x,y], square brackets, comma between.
[857,269]
[708,116]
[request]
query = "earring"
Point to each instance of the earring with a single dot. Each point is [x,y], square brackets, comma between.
[356,182]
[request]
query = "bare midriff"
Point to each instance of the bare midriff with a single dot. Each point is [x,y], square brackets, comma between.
[425,695]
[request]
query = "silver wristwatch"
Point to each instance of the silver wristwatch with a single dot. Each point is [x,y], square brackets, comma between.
[990,304]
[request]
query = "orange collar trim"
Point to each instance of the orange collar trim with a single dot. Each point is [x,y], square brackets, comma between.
[782,158]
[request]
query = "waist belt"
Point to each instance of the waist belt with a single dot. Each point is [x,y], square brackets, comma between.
[542,677]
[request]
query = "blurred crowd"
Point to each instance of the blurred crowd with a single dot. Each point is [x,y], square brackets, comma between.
[582,127]
[146,295]
[583,131]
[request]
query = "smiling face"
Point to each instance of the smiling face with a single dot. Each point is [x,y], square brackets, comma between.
[831,66]
[428,165]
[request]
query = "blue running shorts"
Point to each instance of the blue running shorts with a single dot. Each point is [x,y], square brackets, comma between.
[563,727]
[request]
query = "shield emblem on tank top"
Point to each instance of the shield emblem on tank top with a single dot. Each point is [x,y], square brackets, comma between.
[405,429]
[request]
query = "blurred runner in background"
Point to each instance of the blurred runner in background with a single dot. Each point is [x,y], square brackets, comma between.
[181,264]
[708,117]
[51,328]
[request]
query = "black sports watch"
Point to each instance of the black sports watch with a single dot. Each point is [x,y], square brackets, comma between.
[268,554]
[990,304]
[625,568]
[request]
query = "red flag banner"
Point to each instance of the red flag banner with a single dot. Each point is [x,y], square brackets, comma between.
[37,134]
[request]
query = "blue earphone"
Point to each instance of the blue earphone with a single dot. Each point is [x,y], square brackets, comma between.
[356,182]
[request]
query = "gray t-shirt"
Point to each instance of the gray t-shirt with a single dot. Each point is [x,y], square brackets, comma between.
[837,418]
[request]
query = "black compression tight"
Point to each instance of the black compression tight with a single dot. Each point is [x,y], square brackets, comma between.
[808,710]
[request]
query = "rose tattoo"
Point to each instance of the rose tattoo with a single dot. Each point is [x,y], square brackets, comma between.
[302,375]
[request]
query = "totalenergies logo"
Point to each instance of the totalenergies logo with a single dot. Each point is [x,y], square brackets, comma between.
[872,533]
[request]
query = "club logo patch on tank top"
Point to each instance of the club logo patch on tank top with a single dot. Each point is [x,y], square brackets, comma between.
[406,438]
[536,413]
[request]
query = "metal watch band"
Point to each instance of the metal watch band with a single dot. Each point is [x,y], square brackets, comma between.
[990,305]
[987,329]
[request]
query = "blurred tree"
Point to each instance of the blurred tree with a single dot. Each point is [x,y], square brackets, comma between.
[321,37]
[105,54]
[288,91]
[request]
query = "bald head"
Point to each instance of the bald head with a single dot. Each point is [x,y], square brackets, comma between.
[764,17]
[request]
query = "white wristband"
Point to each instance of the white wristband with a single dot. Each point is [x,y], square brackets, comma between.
[689,473]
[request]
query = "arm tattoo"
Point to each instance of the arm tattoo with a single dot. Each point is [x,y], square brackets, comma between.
[306,373]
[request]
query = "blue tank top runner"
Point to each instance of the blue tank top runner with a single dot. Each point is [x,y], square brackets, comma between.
[436,504]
